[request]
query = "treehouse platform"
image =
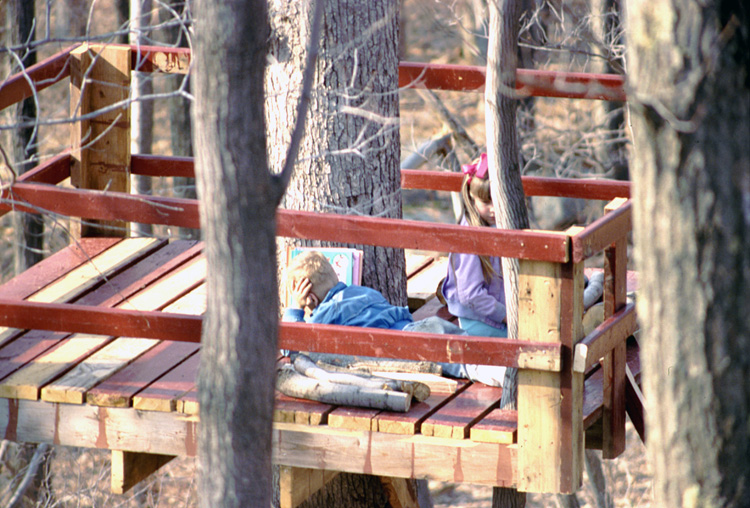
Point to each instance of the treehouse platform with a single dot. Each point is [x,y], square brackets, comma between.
[100,343]
[89,389]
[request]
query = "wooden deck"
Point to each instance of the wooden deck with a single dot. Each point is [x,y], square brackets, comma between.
[139,395]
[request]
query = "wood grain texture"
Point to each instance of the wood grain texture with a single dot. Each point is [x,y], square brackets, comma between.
[455,418]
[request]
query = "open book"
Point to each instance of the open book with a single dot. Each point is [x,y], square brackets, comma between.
[346,262]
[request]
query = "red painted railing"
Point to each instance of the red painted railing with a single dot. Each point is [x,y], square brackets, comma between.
[529,82]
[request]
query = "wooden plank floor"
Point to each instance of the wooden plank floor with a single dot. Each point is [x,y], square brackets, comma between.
[140,394]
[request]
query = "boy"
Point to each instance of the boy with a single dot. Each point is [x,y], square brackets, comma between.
[319,297]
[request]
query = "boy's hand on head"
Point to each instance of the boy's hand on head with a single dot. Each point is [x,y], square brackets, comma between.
[302,295]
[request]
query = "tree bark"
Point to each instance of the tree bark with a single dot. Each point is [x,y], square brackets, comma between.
[238,200]
[690,101]
[349,158]
[141,110]
[29,227]
[180,125]
[505,176]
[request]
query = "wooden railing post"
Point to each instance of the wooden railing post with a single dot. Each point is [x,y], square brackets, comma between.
[550,420]
[100,143]
[613,364]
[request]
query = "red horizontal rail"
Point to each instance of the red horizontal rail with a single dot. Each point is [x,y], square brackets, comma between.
[160,59]
[346,340]
[529,82]
[602,233]
[52,171]
[398,233]
[43,74]
[102,205]
[532,185]
[409,234]
[613,331]
[163,166]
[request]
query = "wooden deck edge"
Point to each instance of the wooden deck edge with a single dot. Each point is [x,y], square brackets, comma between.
[296,445]
[394,455]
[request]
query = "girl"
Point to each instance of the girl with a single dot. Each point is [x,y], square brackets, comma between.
[473,288]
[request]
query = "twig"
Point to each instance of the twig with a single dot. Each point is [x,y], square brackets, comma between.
[36,461]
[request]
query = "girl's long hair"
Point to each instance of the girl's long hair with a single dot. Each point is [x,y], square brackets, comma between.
[479,188]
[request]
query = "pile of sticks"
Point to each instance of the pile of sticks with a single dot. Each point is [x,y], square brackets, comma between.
[352,385]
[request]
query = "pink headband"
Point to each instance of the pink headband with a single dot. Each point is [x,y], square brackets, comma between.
[477,168]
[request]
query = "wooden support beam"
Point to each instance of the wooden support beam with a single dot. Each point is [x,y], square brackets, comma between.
[129,468]
[615,298]
[297,484]
[550,421]
[100,143]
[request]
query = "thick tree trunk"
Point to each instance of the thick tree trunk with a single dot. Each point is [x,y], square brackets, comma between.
[238,199]
[505,175]
[349,159]
[690,100]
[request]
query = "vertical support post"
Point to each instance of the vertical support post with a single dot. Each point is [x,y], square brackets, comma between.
[613,364]
[100,144]
[550,419]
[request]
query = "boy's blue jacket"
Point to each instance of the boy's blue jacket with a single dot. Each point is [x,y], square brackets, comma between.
[354,306]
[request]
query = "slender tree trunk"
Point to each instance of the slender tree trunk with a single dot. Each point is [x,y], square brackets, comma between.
[238,199]
[690,102]
[180,125]
[29,227]
[73,17]
[141,110]
[505,175]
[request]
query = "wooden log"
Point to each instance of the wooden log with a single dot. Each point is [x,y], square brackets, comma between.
[370,364]
[290,382]
[306,367]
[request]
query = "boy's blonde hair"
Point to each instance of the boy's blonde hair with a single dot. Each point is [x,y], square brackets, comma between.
[316,267]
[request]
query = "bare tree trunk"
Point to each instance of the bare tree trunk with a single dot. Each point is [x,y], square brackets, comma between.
[123,18]
[141,110]
[349,158]
[180,125]
[690,104]
[505,175]
[238,199]
[29,227]
[73,17]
